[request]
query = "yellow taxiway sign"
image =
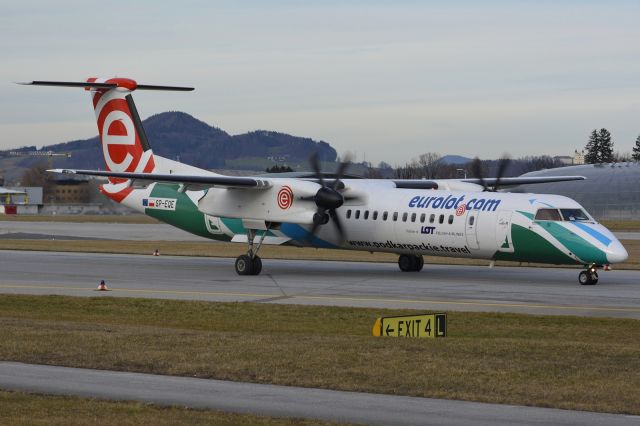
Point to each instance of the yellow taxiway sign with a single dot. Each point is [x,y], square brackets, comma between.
[424,325]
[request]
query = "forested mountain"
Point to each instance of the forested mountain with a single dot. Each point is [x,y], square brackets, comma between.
[177,135]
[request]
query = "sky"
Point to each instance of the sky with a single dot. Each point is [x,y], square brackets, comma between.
[385,81]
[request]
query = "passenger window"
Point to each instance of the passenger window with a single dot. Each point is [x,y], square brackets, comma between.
[349,214]
[450,219]
[548,214]
[366,214]
[422,217]
[413,217]
[385,215]
[441,219]
[395,216]
[357,214]
[375,215]
[405,215]
[432,218]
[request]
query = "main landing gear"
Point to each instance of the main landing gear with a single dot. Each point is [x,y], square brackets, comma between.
[589,276]
[250,263]
[410,263]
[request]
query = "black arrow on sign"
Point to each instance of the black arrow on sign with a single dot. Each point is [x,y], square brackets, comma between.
[389,331]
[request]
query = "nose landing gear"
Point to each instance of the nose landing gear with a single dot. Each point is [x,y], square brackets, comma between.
[589,277]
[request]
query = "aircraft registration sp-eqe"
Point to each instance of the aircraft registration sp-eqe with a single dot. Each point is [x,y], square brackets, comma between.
[464,218]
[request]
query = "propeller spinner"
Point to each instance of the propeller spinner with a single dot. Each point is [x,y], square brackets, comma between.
[328,198]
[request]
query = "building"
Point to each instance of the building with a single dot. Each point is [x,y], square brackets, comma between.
[611,191]
[578,157]
[20,200]
[71,191]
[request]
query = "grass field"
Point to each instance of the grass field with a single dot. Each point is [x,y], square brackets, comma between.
[217,249]
[27,409]
[564,362]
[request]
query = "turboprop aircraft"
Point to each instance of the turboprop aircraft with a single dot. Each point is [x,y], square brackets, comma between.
[465,218]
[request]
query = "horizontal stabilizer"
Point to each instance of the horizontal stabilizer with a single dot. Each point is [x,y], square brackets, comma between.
[96,85]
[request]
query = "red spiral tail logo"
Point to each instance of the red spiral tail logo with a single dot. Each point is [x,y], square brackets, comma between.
[461,209]
[285,197]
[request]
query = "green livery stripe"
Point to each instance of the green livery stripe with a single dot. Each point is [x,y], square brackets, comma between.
[186,215]
[575,244]
[531,247]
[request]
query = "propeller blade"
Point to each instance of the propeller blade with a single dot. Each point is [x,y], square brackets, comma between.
[476,169]
[315,165]
[502,168]
[338,223]
[342,167]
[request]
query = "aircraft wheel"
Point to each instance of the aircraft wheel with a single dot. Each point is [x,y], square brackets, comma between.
[409,263]
[244,265]
[583,278]
[257,265]
[405,262]
[588,278]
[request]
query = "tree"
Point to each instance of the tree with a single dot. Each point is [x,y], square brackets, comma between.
[606,146]
[592,148]
[37,175]
[430,163]
[636,150]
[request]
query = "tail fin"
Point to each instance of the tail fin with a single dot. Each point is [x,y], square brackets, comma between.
[124,143]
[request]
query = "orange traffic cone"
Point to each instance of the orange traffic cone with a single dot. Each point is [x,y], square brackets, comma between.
[102,286]
[156,252]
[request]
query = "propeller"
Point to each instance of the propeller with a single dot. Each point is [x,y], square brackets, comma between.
[328,198]
[478,172]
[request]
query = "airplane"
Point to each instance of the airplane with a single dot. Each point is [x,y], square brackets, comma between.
[464,218]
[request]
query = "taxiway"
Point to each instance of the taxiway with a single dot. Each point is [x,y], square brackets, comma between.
[438,287]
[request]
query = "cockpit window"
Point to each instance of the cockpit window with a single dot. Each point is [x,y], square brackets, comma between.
[574,214]
[548,214]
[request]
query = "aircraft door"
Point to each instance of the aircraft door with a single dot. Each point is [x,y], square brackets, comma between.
[503,231]
[471,227]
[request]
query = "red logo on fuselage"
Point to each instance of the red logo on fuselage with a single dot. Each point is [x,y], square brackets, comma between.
[461,209]
[285,198]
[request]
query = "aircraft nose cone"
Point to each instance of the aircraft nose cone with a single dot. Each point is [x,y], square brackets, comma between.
[617,253]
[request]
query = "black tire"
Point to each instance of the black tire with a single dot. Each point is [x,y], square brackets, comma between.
[419,263]
[257,265]
[244,265]
[588,278]
[406,262]
[584,278]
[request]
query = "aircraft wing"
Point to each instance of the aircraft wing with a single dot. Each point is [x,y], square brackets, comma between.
[451,183]
[210,180]
[513,181]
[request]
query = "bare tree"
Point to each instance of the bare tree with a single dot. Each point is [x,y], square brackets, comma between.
[430,163]
[37,175]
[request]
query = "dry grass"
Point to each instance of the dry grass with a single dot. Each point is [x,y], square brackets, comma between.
[563,362]
[27,409]
[217,249]
[622,225]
